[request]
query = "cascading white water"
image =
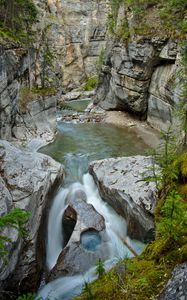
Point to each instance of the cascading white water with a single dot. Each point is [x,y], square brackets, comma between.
[67,287]
[54,231]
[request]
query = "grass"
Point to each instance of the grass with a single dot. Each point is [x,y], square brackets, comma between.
[90,84]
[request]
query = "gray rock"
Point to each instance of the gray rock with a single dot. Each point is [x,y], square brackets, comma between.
[76,37]
[120,182]
[176,288]
[74,258]
[26,180]
[140,77]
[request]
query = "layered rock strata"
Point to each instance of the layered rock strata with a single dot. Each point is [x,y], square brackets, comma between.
[28,181]
[121,183]
[76,34]
[23,115]
[140,77]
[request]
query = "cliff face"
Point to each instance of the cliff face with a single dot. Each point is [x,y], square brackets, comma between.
[69,37]
[23,116]
[140,77]
[76,35]
[140,74]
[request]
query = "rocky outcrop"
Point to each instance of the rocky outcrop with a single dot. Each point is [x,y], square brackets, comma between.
[76,258]
[176,286]
[76,35]
[28,181]
[121,184]
[139,77]
[23,115]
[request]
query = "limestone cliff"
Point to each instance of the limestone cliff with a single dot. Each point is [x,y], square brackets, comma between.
[140,74]
[23,116]
[76,35]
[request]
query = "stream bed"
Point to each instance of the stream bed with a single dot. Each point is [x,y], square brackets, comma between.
[75,146]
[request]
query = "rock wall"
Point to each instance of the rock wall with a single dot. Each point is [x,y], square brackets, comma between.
[139,77]
[22,116]
[26,180]
[76,35]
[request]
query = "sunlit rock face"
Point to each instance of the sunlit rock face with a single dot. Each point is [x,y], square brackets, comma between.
[76,35]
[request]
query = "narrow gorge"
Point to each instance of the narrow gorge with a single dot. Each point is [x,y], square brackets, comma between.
[92,196]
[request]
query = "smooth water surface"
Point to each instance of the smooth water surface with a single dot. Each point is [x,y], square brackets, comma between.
[78,144]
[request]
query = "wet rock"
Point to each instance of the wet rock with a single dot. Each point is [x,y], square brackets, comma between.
[26,179]
[120,182]
[75,258]
[68,223]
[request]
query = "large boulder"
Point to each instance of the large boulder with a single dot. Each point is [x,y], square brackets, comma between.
[27,181]
[121,184]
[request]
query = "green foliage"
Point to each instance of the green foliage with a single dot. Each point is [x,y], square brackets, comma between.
[29,296]
[100,270]
[16,218]
[181,111]
[173,224]
[148,17]
[91,83]
[27,95]
[87,290]
[16,19]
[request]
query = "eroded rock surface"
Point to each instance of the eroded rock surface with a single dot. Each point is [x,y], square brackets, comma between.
[176,286]
[139,77]
[120,182]
[76,35]
[26,180]
[23,116]
[74,258]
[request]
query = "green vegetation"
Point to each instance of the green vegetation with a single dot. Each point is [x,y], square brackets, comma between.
[27,95]
[16,20]
[100,270]
[91,83]
[144,276]
[16,218]
[28,296]
[166,18]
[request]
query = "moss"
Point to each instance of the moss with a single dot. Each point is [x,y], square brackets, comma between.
[27,95]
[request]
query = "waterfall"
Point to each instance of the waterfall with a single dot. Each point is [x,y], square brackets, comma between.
[54,231]
[67,287]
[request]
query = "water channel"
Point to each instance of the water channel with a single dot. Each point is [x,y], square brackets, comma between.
[75,146]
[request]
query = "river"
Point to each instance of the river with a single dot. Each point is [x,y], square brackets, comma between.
[75,146]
